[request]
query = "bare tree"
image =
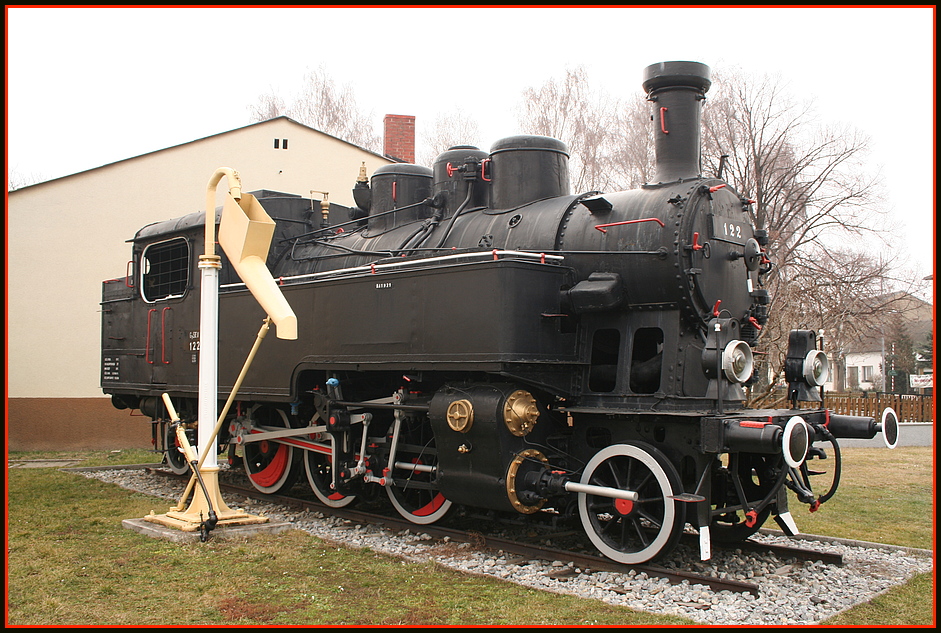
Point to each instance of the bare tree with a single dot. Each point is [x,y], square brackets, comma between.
[606,140]
[450,129]
[269,106]
[819,203]
[324,106]
[17,180]
[838,293]
[809,182]
[633,152]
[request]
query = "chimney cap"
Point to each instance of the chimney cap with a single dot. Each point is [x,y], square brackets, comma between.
[677,74]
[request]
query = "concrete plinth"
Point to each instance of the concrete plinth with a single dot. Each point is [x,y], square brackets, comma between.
[157,530]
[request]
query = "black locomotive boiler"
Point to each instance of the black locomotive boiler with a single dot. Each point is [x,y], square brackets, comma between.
[476,334]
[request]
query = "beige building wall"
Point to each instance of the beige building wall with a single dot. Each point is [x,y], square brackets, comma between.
[67,235]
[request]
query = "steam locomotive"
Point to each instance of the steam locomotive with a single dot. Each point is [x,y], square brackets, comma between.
[474,334]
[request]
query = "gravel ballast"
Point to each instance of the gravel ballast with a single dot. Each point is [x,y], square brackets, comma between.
[791,592]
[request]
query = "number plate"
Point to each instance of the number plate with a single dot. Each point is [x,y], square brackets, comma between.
[730,231]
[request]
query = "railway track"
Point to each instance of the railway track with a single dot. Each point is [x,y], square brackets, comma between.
[525,551]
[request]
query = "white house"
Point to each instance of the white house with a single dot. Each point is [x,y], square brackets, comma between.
[862,366]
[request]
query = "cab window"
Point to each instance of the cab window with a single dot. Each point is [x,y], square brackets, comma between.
[165,270]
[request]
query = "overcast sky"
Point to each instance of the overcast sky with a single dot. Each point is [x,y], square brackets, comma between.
[90,86]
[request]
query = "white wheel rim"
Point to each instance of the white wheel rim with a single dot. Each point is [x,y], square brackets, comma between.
[669,510]
[335,500]
[421,519]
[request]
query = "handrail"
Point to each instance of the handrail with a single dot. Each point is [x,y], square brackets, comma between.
[147,340]
[418,263]
[163,335]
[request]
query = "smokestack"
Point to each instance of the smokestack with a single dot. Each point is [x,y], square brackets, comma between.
[677,90]
[399,138]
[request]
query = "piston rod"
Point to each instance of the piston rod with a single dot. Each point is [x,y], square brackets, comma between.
[601,491]
[418,468]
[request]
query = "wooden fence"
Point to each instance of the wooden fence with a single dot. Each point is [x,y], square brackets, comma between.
[908,407]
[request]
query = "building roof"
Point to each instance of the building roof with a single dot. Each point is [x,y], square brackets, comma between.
[259,123]
[917,316]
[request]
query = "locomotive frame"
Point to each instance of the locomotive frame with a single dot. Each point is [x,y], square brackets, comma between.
[477,335]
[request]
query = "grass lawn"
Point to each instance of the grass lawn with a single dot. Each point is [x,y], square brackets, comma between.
[70,562]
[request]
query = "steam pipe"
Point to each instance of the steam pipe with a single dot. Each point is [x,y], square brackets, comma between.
[457,212]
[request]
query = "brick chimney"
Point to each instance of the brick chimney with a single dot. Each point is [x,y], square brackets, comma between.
[399,137]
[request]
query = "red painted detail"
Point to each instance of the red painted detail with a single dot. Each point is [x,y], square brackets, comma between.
[394,183]
[717,187]
[827,419]
[751,518]
[495,254]
[754,322]
[451,169]
[147,344]
[753,424]
[270,474]
[430,508]
[601,228]
[715,308]
[483,170]
[815,505]
[163,335]
[696,245]
[623,506]
[663,121]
